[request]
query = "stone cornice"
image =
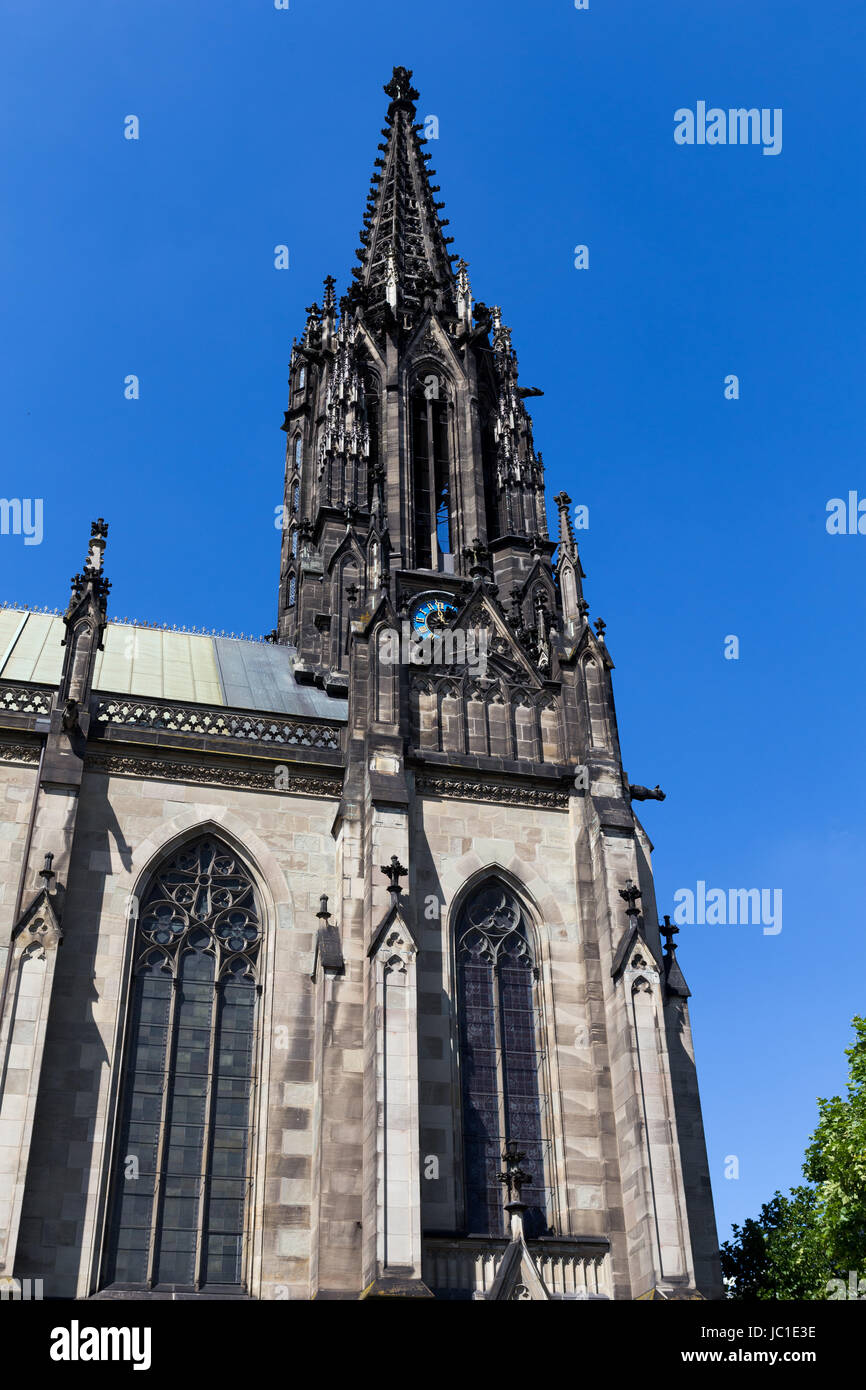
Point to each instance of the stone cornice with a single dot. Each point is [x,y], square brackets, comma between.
[506,793]
[295,782]
[19,752]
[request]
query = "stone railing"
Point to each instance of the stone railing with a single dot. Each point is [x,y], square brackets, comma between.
[466,1266]
[22,699]
[218,723]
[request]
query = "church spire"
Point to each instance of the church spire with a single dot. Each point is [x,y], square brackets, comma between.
[405,262]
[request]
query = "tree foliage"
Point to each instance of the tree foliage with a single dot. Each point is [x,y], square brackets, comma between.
[800,1243]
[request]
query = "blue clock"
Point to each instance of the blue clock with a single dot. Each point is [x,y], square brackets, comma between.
[432,613]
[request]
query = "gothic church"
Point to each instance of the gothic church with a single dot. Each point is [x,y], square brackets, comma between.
[325,974]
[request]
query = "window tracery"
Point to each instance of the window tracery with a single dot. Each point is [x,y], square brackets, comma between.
[500,1057]
[181,1163]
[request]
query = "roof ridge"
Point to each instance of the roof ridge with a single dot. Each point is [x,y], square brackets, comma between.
[7,606]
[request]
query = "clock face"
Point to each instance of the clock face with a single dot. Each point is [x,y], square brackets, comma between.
[432,613]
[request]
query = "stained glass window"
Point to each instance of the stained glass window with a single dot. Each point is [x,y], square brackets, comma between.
[432,501]
[181,1165]
[499,1058]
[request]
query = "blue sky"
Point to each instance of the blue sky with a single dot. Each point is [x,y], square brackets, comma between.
[707,516]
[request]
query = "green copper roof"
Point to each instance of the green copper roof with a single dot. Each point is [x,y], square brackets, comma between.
[157,664]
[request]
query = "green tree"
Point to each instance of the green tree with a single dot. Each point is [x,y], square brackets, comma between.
[836,1163]
[816,1234]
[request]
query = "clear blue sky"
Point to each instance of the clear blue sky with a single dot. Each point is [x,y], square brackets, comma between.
[707,517]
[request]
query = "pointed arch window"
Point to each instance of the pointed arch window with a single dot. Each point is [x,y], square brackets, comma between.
[302,376]
[296,495]
[294,542]
[298,452]
[180,1202]
[500,1058]
[373,415]
[293,590]
[431,477]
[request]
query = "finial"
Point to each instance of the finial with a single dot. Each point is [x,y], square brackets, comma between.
[46,872]
[566,534]
[669,932]
[477,554]
[96,549]
[394,872]
[600,627]
[323,912]
[631,894]
[514,1177]
[401,92]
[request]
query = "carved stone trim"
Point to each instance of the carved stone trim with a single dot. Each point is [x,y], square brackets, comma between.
[575,1269]
[220,723]
[291,782]
[19,752]
[396,952]
[23,699]
[464,790]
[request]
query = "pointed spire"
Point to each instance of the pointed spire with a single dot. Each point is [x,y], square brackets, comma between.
[403,248]
[464,293]
[567,543]
[91,580]
[568,567]
[85,621]
[675,982]
[313,330]
[329,311]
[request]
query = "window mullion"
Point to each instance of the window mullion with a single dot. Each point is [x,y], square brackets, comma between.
[431,483]
[159,1184]
[208,1125]
[500,1058]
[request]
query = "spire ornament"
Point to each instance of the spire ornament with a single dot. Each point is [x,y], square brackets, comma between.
[567,543]
[403,95]
[669,932]
[394,871]
[46,873]
[404,254]
[632,895]
[514,1177]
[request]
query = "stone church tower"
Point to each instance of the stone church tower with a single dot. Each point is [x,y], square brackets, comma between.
[331,965]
